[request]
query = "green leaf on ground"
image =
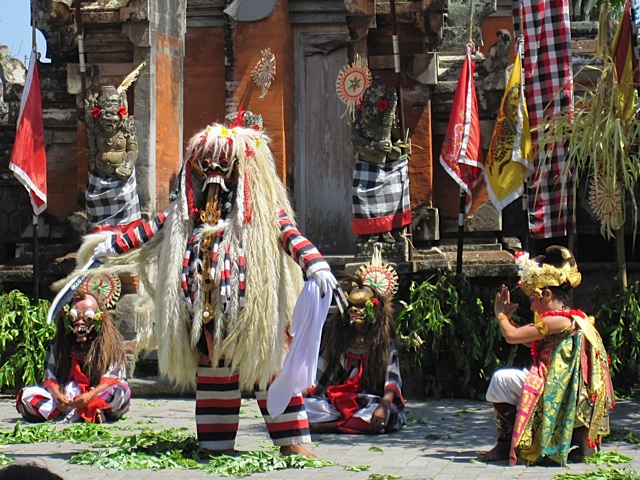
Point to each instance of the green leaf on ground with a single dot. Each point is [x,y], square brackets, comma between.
[357,468]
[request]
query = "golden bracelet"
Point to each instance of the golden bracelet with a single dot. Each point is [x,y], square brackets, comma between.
[503,317]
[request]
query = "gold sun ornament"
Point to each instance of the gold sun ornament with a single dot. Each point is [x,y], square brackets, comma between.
[265,71]
[353,80]
[605,199]
[105,287]
[379,275]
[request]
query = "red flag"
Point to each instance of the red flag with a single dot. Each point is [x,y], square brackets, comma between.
[28,158]
[461,154]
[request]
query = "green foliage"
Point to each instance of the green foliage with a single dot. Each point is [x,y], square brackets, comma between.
[452,336]
[4,460]
[259,461]
[47,432]
[608,458]
[613,473]
[175,449]
[24,337]
[618,320]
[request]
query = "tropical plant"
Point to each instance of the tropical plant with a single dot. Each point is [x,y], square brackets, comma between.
[451,336]
[619,323]
[24,337]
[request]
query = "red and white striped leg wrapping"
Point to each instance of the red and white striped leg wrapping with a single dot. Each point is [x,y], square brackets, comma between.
[217,408]
[290,428]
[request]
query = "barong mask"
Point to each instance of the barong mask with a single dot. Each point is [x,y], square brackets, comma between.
[536,274]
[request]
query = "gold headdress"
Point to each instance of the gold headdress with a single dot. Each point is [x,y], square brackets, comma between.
[536,274]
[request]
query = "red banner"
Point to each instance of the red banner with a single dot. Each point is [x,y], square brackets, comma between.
[28,158]
[461,154]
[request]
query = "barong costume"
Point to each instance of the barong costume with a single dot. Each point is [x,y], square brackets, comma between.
[230,270]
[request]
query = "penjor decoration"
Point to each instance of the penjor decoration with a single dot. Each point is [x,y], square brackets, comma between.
[353,80]
[265,71]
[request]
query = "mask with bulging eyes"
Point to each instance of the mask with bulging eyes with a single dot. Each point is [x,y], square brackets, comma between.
[82,321]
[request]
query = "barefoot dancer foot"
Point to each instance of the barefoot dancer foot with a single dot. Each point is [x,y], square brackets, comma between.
[499,452]
[296,450]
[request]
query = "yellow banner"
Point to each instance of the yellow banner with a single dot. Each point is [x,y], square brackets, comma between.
[509,160]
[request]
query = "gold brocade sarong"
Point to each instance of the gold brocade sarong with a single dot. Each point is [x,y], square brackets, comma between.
[568,385]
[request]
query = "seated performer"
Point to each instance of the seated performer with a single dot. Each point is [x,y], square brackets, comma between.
[85,375]
[358,384]
[566,393]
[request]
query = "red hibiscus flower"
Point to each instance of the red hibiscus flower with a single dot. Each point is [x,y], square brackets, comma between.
[382,105]
[122,111]
[95,112]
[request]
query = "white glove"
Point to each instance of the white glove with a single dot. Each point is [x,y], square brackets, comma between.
[104,249]
[325,280]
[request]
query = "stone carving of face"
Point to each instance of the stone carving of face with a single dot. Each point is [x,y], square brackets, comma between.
[112,110]
[83,317]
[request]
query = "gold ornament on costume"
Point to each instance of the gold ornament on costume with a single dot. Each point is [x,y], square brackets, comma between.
[103,287]
[379,275]
[534,277]
[265,71]
[351,84]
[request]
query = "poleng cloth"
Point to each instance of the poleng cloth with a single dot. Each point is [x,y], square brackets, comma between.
[380,197]
[112,201]
[548,84]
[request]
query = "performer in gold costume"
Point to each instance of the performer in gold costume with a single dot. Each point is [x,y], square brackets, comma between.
[565,396]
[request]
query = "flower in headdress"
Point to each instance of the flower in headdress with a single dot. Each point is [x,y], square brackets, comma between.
[122,111]
[224,132]
[249,153]
[382,105]
[527,267]
[95,112]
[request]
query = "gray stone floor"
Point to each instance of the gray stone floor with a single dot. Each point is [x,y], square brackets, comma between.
[439,443]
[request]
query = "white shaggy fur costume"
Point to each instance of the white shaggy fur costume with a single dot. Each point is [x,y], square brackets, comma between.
[250,333]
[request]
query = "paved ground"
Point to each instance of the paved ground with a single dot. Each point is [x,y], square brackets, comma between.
[440,443]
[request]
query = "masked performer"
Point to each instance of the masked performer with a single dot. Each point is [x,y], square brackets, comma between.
[567,391]
[85,375]
[229,273]
[358,384]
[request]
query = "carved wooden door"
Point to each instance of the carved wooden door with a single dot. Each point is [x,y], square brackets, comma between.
[323,163]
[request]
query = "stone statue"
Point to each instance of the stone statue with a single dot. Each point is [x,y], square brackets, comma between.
[111,134]
[380,180]
[112,151]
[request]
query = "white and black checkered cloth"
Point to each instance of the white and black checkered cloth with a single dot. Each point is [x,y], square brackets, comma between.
[380,197]
[112,201]
[548,79]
